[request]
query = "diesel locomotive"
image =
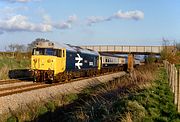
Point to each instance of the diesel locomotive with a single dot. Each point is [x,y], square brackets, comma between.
[57,62]
[54,62]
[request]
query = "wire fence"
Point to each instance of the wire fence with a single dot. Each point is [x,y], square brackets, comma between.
[174,82]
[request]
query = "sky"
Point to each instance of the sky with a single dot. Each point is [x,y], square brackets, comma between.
[89,22]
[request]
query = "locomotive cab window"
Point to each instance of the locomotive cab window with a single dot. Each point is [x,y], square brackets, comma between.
[47,51]
[38,51]
[59,53]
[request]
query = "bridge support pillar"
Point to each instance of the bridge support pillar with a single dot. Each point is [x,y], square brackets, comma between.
[130,62]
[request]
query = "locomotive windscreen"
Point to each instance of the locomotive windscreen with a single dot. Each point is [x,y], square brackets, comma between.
[47,51]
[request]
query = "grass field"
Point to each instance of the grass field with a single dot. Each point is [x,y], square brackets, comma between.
[7,64]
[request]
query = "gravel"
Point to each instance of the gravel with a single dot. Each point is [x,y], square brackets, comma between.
[15,101]
[14,84]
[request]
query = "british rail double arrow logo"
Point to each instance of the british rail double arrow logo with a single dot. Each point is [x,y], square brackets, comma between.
[79,59]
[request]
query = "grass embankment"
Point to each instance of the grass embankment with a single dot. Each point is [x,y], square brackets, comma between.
[7,64]
[137,97]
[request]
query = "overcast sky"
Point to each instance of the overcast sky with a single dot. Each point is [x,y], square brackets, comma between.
[89,22]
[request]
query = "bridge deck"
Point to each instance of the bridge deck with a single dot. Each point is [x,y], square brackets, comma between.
[126,49]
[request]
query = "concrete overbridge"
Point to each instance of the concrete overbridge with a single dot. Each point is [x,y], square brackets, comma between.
[130,50]
[126,49]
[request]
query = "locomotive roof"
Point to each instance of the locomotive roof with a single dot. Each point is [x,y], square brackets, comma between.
[68,47]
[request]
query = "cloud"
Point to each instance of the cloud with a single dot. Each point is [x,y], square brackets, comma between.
[134,15]
[63,25]
[96,19]
[11,10]
[66,24]
[19,1]
[72,19]
[47,19]
[20,23]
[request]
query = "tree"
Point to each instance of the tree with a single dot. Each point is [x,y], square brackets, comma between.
[33,43]
[17,48]
[178,46]
[11,47]
[169,52]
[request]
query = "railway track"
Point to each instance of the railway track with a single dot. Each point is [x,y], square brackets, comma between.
[10,81]
[29,87]
[22,88]
[35,86]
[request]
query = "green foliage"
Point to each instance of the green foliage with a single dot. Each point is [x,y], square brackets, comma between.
[70,97]
[42,110]
[178,66]
[158,101]
[87,91]
[151,59]
[50,106]
[7,64]
[12,119]
[137,110]
[119,105]
[13,63]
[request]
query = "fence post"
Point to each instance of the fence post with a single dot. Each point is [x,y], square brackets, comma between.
[170,75]
[173,73]
[165,64]
[169,70]
[178,91]
[175,87]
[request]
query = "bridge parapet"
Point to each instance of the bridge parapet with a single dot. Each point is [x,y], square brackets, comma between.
[126,49]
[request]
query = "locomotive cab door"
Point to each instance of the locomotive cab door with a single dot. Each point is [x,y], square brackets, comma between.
[60,61]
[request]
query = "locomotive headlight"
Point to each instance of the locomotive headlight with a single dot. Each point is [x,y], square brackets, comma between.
[49,60]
